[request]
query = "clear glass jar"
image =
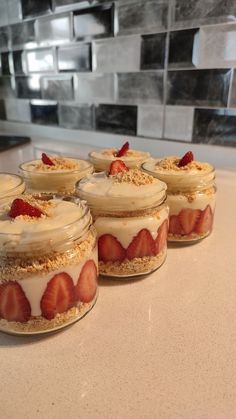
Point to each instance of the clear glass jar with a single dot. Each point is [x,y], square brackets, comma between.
[191,197]
[132,231]
[10,185]
[48,274]
[102,159]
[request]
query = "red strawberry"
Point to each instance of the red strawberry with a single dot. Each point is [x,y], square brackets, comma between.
[122,152]
[21,207]
[186,159]
[188,218]
[110,249]
[86,287]
[174,225]
[58,296]
[117,166]
[205,221]
[141,245]
[14,305]
[47,160]
[161,236]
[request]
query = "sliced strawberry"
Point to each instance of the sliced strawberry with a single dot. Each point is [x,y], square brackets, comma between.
[117,166]
[122,152]
[188,218]
[86,287]
[175,225]
[141,245]
[21,207]
[14,306]
[161,237]
[47,160]
[186,159]
[205,221]
[59,295]
[110,249]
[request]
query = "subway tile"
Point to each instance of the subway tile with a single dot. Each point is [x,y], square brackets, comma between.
[195,12]
[54,30]
[19,62]
[198,87]
[14,11]
[57,88]
[150,120]
[183,48]
[18,110]
[215,126]
[179,123]
[76,116]
[92,88]
[40,60]
[28,87]
[153,51]
[35,7]
[5,63]
[6,88]
[3,13]
[23,34]
[233,91]
[142,16]
[2,110]
[4,38]
[117,119]
[44,112]
[75,58]
[120,54]
[142,87]
[96,22]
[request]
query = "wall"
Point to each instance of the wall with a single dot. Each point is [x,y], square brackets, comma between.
[146,68]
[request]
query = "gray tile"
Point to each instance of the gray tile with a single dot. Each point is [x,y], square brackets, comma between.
[4,37]
[54,30]
[44,112]
[142,87]
[150,120]
[141,16]
[28,87]
[40,60]
[120,54]
[117,119]
[14,11]
[179,123]
[153,51]
[2,110]
[92,88]
[35,7]
[96,21]
[233,92]
[18,110]
[57,88]
[76,116]
[3,13]
[75,58]
[23,34]
[19,63]
[6,87]
[183,48]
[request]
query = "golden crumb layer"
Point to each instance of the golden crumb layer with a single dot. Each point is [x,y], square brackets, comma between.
[171,163]
[113,152]
[60,163]
[134,177]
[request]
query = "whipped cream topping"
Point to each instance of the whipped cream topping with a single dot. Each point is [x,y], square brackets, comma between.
[61,165]
[8,182]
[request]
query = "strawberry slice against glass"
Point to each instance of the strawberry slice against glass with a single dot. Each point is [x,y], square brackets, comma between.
[86,287]
[47,160]
[122,152]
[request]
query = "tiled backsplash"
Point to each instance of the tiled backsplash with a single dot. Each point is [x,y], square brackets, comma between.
[146,68]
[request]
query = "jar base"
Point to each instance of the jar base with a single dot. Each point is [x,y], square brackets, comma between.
[191,239]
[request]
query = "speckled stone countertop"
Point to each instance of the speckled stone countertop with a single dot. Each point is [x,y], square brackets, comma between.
[161,347]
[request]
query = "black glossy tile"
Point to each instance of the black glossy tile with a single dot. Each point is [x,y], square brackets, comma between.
[198,87]
[2,110]
[6,89]
[35,7]
[57,88]
[22,33]
[153,51]
[76,58]
[117,119]
[28,87]
[5,57]
[181,48]
[142,87]
[76,116]
[215,126]
[44,113]
[233,91]
[18,61]
[96,22]
[4,37]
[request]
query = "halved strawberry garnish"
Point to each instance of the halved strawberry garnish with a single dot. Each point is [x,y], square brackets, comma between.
[86,287]
[186,159]
[161,237]
[123,150]
[188,218]
[14,306]
[47,160]
[205,221]
[117,166]
[58,297]
[141,245]
[110,249]
[21,207]
[174,225]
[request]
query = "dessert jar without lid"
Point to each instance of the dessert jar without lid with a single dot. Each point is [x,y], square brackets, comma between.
[191,197]
[10,185]
[131,219]
[102,159]
[48,274]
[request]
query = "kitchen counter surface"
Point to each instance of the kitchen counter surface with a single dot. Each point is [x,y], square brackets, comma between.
[160,347]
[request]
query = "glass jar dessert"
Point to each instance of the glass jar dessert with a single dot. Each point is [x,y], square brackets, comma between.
[48,274]
[191,195]
[102,159]
[54,174]
[10,185]
[131,219]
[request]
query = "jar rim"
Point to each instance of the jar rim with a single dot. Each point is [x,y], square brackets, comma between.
[21,182]
[87,165]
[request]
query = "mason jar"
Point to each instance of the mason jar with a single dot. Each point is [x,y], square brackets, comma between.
[191,197]
[10,184]
[102,159]
[48,274]
[131,219]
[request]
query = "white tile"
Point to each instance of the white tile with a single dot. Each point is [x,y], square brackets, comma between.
[14,11]
[179,123]
[95,87]
[150,121]
[53,30]
[18,110]
[40,60]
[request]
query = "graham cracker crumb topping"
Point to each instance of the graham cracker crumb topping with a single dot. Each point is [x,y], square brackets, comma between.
[60,163]
[135,177]
[171,163]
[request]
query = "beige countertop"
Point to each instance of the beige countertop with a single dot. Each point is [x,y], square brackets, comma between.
[161,347]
